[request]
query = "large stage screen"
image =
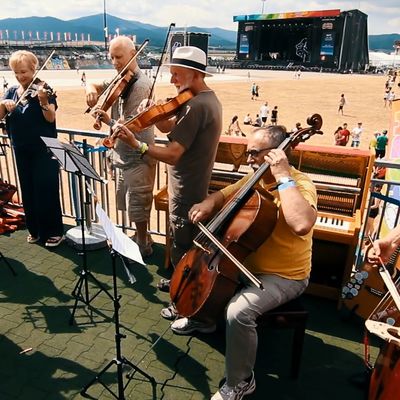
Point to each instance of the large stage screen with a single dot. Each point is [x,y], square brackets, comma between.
[286,41]
[327,44]
[328,39]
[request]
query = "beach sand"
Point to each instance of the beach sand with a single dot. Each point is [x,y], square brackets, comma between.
[296,98]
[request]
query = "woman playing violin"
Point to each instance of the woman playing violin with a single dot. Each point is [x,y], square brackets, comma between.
[194,134]
[136,174]
[30,111]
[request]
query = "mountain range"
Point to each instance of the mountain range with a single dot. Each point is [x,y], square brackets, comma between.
[94,25]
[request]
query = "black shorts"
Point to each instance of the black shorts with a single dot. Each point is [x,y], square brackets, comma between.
[373,213]
[380,153]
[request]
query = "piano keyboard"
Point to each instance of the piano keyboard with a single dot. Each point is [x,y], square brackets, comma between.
[332,223]
[335,180]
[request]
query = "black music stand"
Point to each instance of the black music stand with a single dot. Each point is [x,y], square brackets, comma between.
[121,247]
[72,160]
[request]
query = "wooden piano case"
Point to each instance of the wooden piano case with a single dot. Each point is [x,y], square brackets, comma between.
[342,177]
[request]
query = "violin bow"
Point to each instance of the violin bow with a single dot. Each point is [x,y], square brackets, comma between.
[383,329]
[122,72]
[34,77]
[172,25]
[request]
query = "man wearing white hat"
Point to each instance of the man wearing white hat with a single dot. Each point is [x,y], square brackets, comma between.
[193,139]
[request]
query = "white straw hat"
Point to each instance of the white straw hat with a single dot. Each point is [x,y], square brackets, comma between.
[190,57]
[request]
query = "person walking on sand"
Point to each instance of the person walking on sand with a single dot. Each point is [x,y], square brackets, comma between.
[356,135]
[254,92]
[342,102]
[264,111]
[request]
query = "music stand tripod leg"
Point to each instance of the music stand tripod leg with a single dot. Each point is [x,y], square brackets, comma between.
[119,360]
[81,289]
[8,264]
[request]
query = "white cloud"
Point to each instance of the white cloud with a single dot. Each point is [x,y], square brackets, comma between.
[382,14]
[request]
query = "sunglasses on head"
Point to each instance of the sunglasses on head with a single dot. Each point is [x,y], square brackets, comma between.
[255,153]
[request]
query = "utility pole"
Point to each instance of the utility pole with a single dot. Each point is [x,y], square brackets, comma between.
[105,25]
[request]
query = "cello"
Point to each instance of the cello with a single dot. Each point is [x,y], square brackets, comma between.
[207,276]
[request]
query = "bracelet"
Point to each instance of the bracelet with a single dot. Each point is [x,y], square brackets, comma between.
[112,123]
[286,185]
[45,108]
[143,148]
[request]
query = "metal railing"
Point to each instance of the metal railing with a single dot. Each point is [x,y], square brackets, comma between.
[90,144]
[389,207]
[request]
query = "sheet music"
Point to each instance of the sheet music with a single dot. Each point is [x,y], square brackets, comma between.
[120,242]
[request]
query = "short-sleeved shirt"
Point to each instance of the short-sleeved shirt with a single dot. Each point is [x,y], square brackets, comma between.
[123,156]
[26,124]
[198,128]
[283,253]
[264,111]
[356,134]
[381,142]
[345,134]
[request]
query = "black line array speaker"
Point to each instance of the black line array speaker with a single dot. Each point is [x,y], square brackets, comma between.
[199,40]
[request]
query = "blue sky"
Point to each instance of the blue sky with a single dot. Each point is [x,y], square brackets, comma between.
[383,15]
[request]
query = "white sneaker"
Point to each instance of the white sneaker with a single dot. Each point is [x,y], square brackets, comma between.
[186,326]
[235,393]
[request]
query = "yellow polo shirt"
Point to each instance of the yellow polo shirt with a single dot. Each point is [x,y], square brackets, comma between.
[284,253]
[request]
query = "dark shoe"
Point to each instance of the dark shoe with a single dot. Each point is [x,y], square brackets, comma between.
[163,285]
[170,313]
[54,241]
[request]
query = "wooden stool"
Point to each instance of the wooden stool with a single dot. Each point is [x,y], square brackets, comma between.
[161,204]
[291,315]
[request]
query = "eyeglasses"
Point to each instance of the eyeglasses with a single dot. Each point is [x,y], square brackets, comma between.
[254,153]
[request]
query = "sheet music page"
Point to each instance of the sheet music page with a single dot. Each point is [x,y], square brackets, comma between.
[120,242]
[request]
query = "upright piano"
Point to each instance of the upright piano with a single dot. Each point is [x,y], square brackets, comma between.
[342,177]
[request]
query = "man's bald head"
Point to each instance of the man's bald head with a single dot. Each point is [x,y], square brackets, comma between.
[121,50]
[123,41]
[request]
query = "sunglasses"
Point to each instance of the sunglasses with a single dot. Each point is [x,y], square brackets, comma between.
[254,153]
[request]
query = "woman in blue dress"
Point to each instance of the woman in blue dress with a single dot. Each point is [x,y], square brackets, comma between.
[27,119]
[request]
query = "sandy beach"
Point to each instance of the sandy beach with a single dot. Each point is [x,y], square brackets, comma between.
[295,98]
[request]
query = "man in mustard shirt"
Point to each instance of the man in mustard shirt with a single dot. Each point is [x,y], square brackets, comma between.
[282,262]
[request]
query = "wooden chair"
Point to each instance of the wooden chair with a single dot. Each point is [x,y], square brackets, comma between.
[291,315]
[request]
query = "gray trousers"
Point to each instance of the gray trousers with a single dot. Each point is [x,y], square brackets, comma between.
[241,314]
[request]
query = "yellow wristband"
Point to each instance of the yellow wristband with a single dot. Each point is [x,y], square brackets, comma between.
[143,147]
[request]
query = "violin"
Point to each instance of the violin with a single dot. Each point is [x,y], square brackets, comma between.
[154,114]
[35,81]
[33,89]
[206,277]
[118,90]
[117,86]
